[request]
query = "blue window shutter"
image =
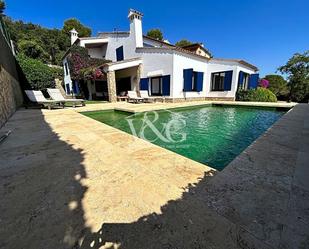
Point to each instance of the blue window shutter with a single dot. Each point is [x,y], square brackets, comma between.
[119,54]
[144,84]
[240,78]
[76,87]
[253,81]
[228,80]
[199,81]
[166,83]
[67,88]
[187,79]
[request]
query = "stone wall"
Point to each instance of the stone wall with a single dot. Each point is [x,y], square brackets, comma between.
[58,84]
[11,96]
[111,86]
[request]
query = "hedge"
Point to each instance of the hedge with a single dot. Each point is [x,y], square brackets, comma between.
[39,75]
[258,95]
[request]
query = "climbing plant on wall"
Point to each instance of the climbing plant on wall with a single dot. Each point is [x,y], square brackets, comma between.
[82,66]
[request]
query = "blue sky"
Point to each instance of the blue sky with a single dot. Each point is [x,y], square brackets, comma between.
[263,32]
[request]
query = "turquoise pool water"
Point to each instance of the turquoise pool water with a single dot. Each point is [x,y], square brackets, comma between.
[212,135]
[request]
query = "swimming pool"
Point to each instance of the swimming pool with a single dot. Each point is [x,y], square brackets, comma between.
[212,135]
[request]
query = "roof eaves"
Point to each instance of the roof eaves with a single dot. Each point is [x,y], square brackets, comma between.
[197,45]
[114,33]
[178,49]
[159,41]
[243,62]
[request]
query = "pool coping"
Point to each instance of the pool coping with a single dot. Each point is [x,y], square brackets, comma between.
[143,107]
[212,103]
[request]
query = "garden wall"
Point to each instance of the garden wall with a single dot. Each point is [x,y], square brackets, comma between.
[11,96]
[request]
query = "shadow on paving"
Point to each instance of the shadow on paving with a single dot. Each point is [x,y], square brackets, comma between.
[184,223]
[41,189]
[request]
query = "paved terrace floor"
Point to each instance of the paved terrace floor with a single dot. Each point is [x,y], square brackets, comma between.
[68,181]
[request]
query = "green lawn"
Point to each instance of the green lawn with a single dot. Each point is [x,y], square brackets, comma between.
[88,102]
[95,102]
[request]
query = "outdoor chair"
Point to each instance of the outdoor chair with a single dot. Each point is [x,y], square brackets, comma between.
[55,94]
[38,97]
[144,94]
[132,97]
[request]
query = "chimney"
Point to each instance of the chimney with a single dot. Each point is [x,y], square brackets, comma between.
[74,36]
[136,30]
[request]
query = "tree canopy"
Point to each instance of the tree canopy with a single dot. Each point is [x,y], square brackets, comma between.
[278,85]
[183,42]
[2,7]
[71,23]
[155,33]
[32,49]
[297,69]
[47,45]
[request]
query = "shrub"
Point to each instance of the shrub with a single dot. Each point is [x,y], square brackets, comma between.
[264,83]
[259,95]
[39,75]
[278,85]
[57,72]
[32,49]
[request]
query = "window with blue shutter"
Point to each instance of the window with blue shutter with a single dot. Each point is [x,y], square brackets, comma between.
[75,87]
[119,54]
[253,81]
[166,83]
[228,80]
[144,84]
[240,79]
[67,88]
[199,81]
[187,79]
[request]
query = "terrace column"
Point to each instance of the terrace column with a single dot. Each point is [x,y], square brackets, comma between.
[111,86]
[138,76]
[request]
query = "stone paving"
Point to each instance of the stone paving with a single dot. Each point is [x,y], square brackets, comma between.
[68,181]
[129,107]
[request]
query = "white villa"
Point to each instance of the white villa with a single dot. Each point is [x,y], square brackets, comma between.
[140,62]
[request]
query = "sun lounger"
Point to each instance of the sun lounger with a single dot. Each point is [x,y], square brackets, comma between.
[55,94]
[38,97]
[132,97]
[144,94]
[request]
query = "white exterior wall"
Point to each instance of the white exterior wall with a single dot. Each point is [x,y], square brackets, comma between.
[98,52]
[136,31]
[180,63]
[156,63]
[225,66]
[213,68]
[67,77]
[116,41]
[153,43]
